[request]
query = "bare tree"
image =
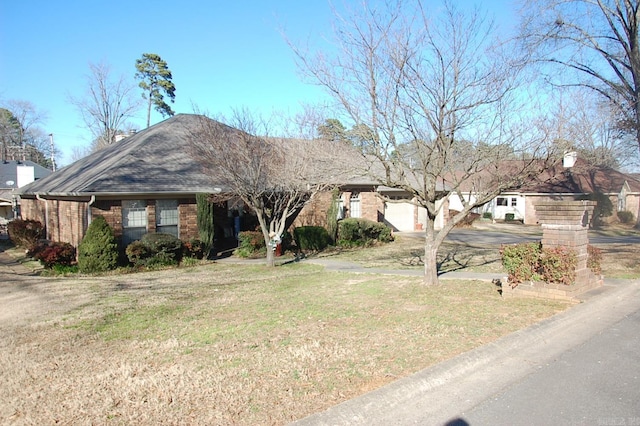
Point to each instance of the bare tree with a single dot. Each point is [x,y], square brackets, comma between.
[598,41]
[21,134]
[275,177]
[107,105]
[579,123]
[430,91]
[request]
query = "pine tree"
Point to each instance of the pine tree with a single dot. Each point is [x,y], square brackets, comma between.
[156,82]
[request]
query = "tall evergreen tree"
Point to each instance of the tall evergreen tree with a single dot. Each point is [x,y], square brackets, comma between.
[156,83]
[206,227]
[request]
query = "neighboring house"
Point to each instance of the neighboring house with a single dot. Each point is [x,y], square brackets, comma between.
[571,179]
[144,183]
[14,175]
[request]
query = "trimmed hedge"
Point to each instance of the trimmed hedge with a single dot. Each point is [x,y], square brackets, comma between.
[311,238]
[155,249]
[362,232]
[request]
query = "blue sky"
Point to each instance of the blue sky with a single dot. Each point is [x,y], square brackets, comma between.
[223,54]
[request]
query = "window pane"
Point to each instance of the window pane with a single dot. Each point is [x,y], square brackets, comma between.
[134,214]
[134,220]
[501,201]
[166,212]
[354,205]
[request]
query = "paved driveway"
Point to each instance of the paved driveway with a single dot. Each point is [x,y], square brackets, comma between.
[512,234]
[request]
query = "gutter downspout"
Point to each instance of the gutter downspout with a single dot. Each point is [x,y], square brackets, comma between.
[89,204]
[46,214]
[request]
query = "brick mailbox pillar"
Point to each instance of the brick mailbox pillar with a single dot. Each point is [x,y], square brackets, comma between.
[566,224]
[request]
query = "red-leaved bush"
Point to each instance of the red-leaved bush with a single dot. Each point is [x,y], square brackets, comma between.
[53,253]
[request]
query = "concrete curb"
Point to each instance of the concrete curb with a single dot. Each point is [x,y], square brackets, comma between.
[445,391]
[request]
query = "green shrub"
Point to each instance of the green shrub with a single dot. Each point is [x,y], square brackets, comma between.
[98,251]
[521,261]
[362,232]
[51,254]
[137,253]
[165,249]
[206,228]
[250,244]
[332,215]
[25,233]
[487,215]
[155,249]
[313,238]
[509,217]
[532,262]
[625,216]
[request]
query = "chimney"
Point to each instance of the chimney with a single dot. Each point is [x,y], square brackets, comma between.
[569,159]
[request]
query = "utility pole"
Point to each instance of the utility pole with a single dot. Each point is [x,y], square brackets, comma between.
[52,150]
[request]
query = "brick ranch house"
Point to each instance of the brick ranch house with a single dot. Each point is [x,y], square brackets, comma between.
[144,183]
[148,182]
[573,178]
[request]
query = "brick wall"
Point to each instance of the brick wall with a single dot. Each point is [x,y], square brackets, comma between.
[564,224]
[314,213]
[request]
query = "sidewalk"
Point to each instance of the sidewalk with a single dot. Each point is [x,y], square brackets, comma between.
[8,265]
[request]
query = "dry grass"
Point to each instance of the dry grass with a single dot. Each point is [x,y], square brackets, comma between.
[231,344]
[242,344]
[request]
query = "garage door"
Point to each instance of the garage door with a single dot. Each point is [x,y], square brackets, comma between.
[399,216]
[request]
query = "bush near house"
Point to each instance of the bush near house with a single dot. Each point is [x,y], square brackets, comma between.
[195,249]
[354,232]
[51,253]
[25,233]
[98,251]
[155,249]
[250,244]
[311,238]
[625,216]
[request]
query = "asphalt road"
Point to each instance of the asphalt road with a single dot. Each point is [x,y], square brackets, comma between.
[595,383]
[512,235]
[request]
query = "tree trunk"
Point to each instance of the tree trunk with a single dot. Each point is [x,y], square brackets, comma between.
[430,254]
[271,259]
[149,111]
[430,262]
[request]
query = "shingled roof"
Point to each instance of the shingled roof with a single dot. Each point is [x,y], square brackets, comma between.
[153,161]
[582,178]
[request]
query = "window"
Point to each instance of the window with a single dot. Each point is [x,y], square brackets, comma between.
[501,201]
[354,205]
[134,220]
[167,216]
[514,202]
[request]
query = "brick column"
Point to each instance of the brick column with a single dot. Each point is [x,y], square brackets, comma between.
[566,224]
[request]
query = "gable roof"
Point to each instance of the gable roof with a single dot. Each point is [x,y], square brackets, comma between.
[582,178]
[153,161]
